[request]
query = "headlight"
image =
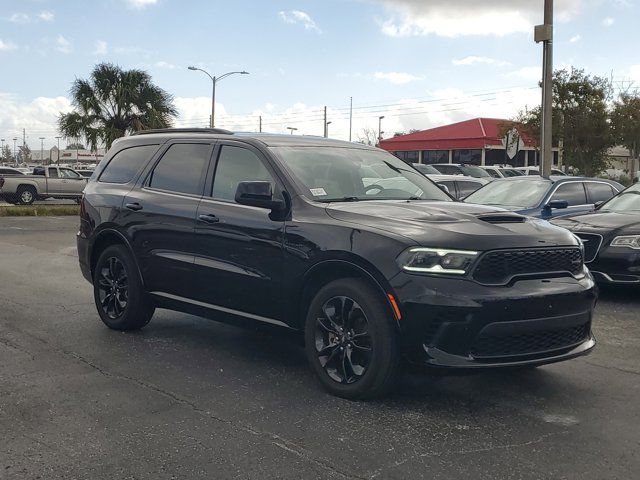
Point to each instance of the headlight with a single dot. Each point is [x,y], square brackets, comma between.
[629,241]
[580,243]
[437,260]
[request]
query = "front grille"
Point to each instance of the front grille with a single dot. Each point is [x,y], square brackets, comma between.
[529,343]
[498,267]
[592,243]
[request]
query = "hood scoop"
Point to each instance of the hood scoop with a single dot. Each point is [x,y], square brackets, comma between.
[501,217]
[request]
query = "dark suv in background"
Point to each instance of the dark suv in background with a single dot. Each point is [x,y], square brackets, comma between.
[372,261]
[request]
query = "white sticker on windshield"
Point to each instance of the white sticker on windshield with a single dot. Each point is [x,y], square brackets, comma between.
[318,192]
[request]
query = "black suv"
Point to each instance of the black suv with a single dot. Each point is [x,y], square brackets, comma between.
[372,261]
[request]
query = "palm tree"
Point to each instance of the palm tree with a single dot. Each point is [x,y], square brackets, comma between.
[114,103]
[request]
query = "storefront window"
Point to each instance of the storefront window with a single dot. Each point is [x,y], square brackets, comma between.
[435,156]
[471,157]
[409,157]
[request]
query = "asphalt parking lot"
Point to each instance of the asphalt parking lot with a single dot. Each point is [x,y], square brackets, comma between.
[190,398]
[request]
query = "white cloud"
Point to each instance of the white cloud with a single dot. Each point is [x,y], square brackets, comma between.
[608,21]
[298,16]
[63,45]
[140,4]
[396,78]
[47,16]
[19,18]
[474,60]
[7,46]
[467,17]
[101,48]
[39,115]
[527,73]
[575,38]
[166,65]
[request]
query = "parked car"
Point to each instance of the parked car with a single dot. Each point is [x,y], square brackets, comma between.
[611,237]
[425,169]
[457,186]
[536,171]
[10,171]
[85,173]
[502,172]
[281,230]
[546,197]
[461,169]
[45,182]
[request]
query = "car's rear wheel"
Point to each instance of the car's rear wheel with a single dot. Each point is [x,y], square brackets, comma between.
[26,195]
[117,290]
[351,341]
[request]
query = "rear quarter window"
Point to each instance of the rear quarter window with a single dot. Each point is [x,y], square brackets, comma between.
[125,165]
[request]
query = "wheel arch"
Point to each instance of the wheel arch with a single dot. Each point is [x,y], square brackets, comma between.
[334,269]
[106,238]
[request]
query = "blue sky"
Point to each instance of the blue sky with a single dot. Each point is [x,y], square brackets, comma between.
[419,63]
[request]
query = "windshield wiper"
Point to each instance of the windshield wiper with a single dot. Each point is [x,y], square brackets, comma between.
[343,199]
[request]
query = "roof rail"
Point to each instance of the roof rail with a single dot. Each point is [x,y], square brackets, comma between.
[219,131]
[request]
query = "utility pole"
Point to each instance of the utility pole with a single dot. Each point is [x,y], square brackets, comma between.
[350,116]
[2,148]
[325,122]
[15,157]
[42,150]
[328,123]
[544,33]
[380,129]
[260,127]
[58,159]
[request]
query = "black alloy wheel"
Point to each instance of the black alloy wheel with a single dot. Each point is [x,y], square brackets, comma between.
[342,340]
[113,288]
[118,292]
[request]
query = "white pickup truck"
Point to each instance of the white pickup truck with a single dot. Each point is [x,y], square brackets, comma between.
[45,182]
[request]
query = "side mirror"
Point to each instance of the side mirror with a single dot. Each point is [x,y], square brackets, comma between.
[257,194]
[557,204]
[444,188]
[597,205]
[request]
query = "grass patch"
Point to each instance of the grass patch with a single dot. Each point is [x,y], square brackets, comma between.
[40,210]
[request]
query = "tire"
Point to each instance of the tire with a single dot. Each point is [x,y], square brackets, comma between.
[120,300]
[26,194]
[367,366]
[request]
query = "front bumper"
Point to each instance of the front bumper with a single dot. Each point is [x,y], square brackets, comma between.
[616,265]
[459,324]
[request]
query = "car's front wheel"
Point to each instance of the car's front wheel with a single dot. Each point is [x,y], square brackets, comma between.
[351,341]
[118,293]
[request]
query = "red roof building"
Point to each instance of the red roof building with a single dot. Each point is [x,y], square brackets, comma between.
[480,141]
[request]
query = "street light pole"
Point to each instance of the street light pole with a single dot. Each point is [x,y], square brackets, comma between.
[328,123]
[15,157]
[58,159]
[2,148]
[544,33]
[380,129]
[214,81]
[292,129]
[42,150]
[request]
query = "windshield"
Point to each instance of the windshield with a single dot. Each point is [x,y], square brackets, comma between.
[333,174]
[627,201]
[474,171]
[525,193]
[426,169]
[510,172]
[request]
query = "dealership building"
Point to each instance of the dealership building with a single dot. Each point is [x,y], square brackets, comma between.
[480,141]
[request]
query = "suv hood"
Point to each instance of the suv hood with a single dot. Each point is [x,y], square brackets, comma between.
[453,224]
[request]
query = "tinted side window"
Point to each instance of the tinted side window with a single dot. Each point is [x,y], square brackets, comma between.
[68,173]
[493,173]
[599,192]
[235,165]
[124,166]
[53,173]
[467,188]
[182,168]
[571,192]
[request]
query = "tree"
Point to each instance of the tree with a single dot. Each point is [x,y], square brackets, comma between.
[24,153]
[580,120]
[75,146]
[625,123]
[114,103]
[368,136]
[5,155]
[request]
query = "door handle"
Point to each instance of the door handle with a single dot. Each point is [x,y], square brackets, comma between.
[210,218]
[134,206]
